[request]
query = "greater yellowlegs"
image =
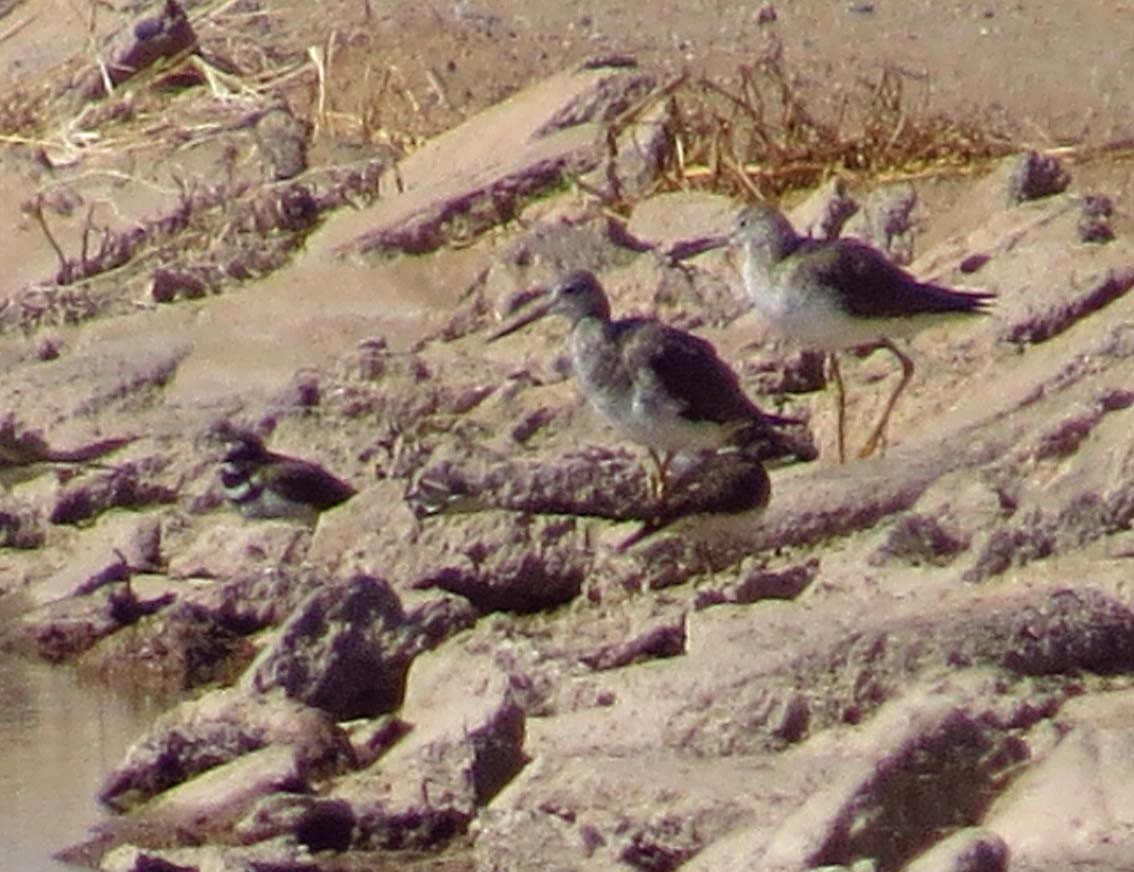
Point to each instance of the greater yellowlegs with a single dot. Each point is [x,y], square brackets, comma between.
[660,386]
[262,484]
[837,295]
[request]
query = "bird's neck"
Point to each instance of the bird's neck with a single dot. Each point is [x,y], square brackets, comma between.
[759,260]
[756,272]
[774,248]
[592,345]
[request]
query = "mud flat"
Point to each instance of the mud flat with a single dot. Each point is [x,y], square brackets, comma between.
[914,661]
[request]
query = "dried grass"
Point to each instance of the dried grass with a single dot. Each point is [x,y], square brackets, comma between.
[764,136]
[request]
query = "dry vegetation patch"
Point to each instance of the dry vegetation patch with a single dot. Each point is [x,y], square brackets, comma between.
[767,136]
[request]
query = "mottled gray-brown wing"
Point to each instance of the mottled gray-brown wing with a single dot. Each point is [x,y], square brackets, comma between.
[864,283]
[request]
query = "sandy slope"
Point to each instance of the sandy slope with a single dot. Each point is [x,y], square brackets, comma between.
[799,689]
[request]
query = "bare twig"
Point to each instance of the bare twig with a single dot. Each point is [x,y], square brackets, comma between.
[16,28]
[438,89]
[316,55]
[36,209]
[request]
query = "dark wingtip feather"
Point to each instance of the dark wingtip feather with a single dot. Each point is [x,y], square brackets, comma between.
[951,300]
[337,491]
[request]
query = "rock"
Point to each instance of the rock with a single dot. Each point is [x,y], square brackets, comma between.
[542,840]
[275,856]
[181,647]
[282,141]
[64,629]
[465,745]
[772,371]
[655,821]
[167,285]
[370,738]
[316,823]
[490,561]
[166,35]
[1035,175]
[1088,773]
[926,760]
[21,525]
[224,550]
[1094,219]
[291,208]
[974,849]
[917,540]
[130,858]
[211,802]
[825,211]
[109,373]
[1053,633]
[973,262]
[553,245]
[20,444]
[760,585]
[663,844]
[131,485]
[254,598]
[665,639]
[943,523]
[345,650]
[437,616]
[221,726]
[108,551]
[476,175]
[1087,294]
[884,221]
[640,149]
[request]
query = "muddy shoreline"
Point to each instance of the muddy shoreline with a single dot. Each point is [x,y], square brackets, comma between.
[905,662]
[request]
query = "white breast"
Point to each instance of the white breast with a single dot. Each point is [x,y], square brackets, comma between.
[809,318]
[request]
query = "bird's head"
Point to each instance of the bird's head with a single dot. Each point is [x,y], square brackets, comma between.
[762,231]
[239,444]
[577,295]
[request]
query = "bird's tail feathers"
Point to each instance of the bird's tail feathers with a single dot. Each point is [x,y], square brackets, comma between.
[942,299]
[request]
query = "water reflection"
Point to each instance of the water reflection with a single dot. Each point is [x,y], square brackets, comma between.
[58,739]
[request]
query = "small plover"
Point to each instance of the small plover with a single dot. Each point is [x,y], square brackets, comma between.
[262,484]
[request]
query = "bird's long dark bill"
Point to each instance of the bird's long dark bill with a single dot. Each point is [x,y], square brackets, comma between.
[535,310]
[692,247]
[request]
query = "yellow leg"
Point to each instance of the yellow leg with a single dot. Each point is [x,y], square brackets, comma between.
[840,407]
[877,437]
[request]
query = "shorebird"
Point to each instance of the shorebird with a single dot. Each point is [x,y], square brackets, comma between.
[660,386]
[262,484]
[731,485]
[837,295]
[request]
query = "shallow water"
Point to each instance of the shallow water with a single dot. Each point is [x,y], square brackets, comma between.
[58,739]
